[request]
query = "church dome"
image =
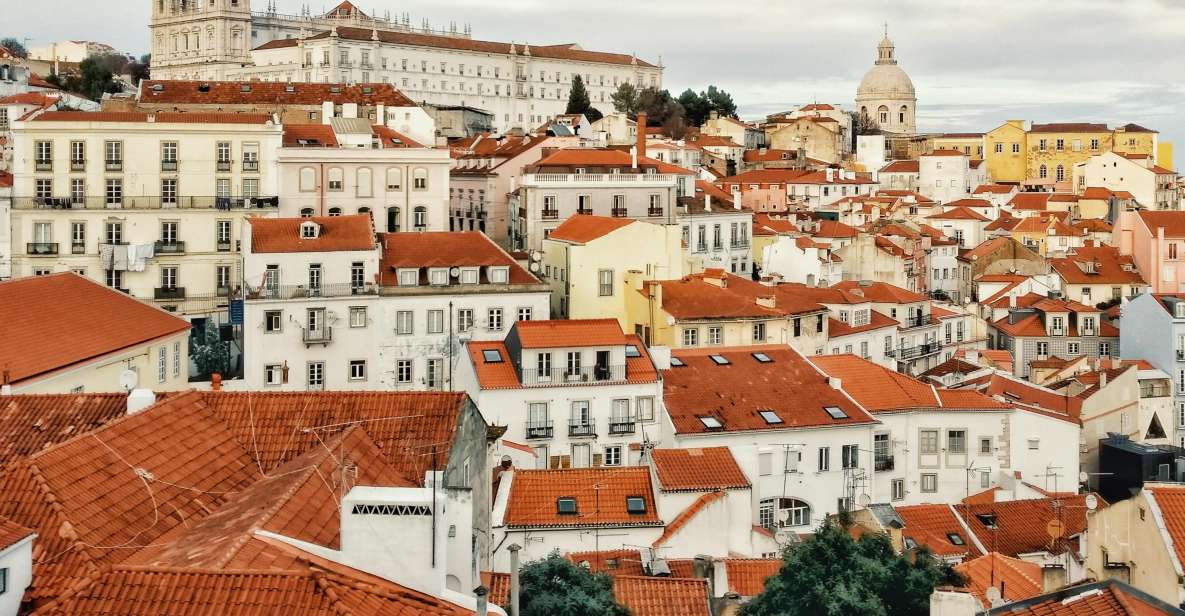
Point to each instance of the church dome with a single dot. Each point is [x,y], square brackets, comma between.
[885,80]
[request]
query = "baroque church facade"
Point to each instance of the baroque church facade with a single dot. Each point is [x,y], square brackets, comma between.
[886,94]
[522,85]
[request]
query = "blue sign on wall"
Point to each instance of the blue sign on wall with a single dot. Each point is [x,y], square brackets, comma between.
[236,311]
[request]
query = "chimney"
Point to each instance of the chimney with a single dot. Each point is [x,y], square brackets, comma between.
[713,115]
[736,197]
[707,202]
[972,356]
[514,583]
[326,112]
[483,607]
[836,383]
[1012,298]
[641,136]
[1102,378]
[661,356]
[215,382]
[380,114]
[830,174]
[703,567]
[1053,577]
[140,399]
[634,157]
[767,301]
[368,541]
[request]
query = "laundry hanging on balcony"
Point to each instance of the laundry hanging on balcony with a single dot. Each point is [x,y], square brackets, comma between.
[138,256]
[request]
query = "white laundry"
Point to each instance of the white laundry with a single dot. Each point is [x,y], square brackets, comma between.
[119,257]
[106,254]
[138,256]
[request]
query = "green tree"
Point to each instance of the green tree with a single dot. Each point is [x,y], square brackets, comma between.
[210,352]
[16,47]
[721,102]
[695,107]
[659,106]
[831,574]
[554,586]
[625,99]
[578,101]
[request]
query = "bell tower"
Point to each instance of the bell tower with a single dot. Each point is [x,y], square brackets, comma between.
[199,39]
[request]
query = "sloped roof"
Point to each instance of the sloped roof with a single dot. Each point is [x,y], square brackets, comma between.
[1069,127]
[309,135]
[662,596]
[626,561]
[876,320]
[600,495]
[960,213]
[834,229]
[880,292]
[747,576]
[687,515]
[1108,266]
[1020,525]
[607,158]
[1172,221]
[449,249]
[337,234]
[557,333]
[1170,500]
[584,228]
[1107,598]
[931,526]
[696,469]
[11,533]
[502,374]
[694,297]
[880,389]
[1015,579]
[901,166]
[30,423]
[52,322]
[196,92]
[736,393]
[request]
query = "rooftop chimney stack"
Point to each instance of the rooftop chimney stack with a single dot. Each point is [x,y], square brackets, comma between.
[836,383]
[140,399]
[641,136]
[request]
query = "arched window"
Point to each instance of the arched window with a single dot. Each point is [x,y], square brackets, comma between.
[864,110]
[420,218]
[306,212]
[335,179]
[784,513]
[394,178]
[1043,172]
[308,179]
[392,220]
[420,179]
[1061,173]
[335,211]
[883,114]
[363,210]
[365,182]
[901,114]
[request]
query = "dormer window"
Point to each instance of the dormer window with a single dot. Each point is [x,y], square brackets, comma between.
[438,276]
[469,275]
[499,275]
[309,230]
[635,505]
[566,505]
[409,277]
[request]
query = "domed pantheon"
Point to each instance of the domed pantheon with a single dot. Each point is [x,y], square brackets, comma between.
[886,93]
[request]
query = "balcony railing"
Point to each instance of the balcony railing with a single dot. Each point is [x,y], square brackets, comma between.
[1180,354]
[169,247]
[906,353]
[223,245]
[918,320]
[168,293]
[882,463]
[343,289]
[599,178]
[250,165]
[580,427]
[222,165]
[551,214]
[77,248]
[619,212]
[577,376]
[584,210]
[319,335]
[113,165]
[539,429]
[168,165]
[622,425]
[654,211]
[150,202]
[78,165]
[41,248]
[43,165]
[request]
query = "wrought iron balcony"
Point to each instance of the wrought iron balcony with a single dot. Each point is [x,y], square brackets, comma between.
[907,353]
[250,165]
[113,165]
[319,335]
[551,214]
[622,425]
[222,165]
[145,202]
[78,165]
[43,165]
[575,376]
[918,320]
[41,248]
[584,210]
[343,289]
[882,463]
[78,248]
[619,212]
[168,293]
[223,245]
[539,429]
[168,165]
[169,247]
[654,211]
[580,427]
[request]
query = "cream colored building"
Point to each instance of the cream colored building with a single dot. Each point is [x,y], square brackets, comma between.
[1129,541]
[151,204]
[1153,186]
[589,261]
[886,94]
[86,337]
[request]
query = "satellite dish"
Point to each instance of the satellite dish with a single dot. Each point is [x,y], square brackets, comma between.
[128,379]
[455,272]
[1092,502]
[534,267]
[992,594]
[865,499]
[536,256]
[1083,477]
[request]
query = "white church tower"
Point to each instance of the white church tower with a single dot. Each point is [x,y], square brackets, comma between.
[199,39]
[886,94]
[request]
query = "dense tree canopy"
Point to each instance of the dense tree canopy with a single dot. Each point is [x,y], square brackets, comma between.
[832,574]
[664,110]
[625,99]
[14,46]
[96,75]
[578,101]
[555,586]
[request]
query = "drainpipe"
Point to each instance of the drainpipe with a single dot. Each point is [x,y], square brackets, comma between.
[482,602]
[514,549]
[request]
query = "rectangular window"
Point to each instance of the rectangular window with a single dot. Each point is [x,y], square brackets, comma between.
[357,369]
[114,191]
[113,152]
[403,371]
[851,456]
[316,375]
[690,337]
[494,320]
[273,321]
[605,283]
[168,156]
[612,455]
[464,319]
[404,325]
[929,482]
[715,335]
[435,321]
[161,363]
[898,489]
[273,374]
[645,407]
[77,190]
[928,442]
[956,441]
[524,314]
[759,332]
[985,445]
[357,316]
[824,459]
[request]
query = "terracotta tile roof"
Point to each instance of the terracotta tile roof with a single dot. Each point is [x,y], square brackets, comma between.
[1170,500]
[1020,525]
[1108,598]
[627,561]
[761,176]
[1014,578]
[1157,169]
[674,526]
[765,155]
[594,158]
[1005,222]
[697,469]
[5,179]
[902,194]
[712,141]
[569,51]
[945,153]
[61,320]
[820,177]
[747,576]
[817,107]
[337,234]
[600,495]
[876,320]
[306,135]
[881,292]
[181,92]
[11,533]
[30,98]
[880,389]
[1030,201]
[584,228]
[164,117]
[1034,326]
[1097,192]
[1105,264]
[960,213]
[719,195]
[697,297]
[953,365]
[390,138]
[834,229]
[558,333]
[970,202]
[502,374]
[1172,222]
[1092,225]
[30,423]
[657,596]
[901,166]
[498,585]
[764,225]
[736,393]
[931,526]
[449,249]
[1042,225]
[1069,127]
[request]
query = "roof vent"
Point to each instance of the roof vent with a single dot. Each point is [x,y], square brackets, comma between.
[367,90]
[335,89]
[245,87]
[289,88]
[203,87]
[157,87]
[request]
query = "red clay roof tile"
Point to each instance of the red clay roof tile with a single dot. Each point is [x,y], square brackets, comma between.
[30,423]
[1014,578]
[932,526]
[659,596]
[600,495]
[181,92]
[880,389]
[337,233]
[583,228]
[445,249]
[696,469]
[1020,525]
[747,576]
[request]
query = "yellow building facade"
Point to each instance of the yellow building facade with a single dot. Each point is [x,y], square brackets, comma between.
[1004,151]
[970,144]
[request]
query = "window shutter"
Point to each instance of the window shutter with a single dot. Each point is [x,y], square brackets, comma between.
[597,459]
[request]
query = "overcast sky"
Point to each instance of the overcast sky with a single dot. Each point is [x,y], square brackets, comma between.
[974,63]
